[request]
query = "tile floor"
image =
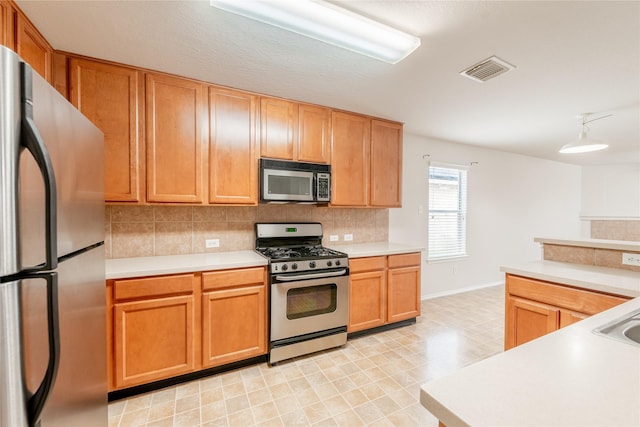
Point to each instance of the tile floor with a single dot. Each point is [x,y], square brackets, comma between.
[374,380]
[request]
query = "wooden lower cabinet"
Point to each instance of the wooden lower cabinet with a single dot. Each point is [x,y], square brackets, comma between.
[384,289]
[403,287]
[367,300]
[155,330]
[534,308]
[234,315]
[165,326]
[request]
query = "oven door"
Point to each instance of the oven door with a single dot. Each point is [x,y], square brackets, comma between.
[304,303]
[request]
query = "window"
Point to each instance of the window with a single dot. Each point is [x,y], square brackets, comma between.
[447,212]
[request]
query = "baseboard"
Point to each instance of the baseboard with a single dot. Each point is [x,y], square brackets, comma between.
[461,290]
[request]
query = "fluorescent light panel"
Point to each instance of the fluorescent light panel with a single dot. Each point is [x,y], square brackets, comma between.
[330,24]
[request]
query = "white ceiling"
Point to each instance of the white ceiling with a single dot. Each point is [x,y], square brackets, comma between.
[571,56]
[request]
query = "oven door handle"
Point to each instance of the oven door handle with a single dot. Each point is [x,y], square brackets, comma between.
[311,276]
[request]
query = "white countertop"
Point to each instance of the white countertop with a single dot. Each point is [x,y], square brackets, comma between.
[602,279]
[361,250]
[172,264]
[121,268]
[570,377]
[620,245]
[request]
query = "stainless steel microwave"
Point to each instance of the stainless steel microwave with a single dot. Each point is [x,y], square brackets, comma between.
[286,181]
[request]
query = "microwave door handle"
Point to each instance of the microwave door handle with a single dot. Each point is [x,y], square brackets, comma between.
[32,141]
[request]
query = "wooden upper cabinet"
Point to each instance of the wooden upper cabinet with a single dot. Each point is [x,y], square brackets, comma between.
[175,132]
[233,172]
[32,47]
[278,120]
[314,134]
[7,21]
[350,144]
[386,164]
[109,96]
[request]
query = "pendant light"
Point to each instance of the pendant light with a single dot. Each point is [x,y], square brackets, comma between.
[585,144]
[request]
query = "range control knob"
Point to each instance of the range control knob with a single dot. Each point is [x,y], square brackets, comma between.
[312,264]
[329,263]
[285,267]
[294,266]
[337,262]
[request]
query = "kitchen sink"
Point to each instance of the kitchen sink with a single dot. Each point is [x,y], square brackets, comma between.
[625,328]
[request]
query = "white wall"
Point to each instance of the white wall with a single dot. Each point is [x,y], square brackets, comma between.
[611,191]
[511,200]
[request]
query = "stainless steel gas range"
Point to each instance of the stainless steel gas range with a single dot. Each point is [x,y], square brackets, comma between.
[309,289]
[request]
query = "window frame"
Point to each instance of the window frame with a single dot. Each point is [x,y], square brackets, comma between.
[462,212]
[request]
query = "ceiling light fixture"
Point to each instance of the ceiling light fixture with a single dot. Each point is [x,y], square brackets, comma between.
[584,144]
[328,23]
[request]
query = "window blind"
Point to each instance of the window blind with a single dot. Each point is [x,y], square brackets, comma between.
[447,212]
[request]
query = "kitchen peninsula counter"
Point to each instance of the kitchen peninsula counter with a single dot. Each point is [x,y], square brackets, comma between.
[571,377]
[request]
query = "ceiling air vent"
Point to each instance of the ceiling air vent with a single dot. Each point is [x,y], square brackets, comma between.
[487,69]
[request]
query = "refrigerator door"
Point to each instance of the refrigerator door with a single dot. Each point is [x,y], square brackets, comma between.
[12,399]
[9,149]
[75,147]
[79,394]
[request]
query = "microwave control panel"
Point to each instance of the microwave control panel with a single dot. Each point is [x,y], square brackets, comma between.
[323,187]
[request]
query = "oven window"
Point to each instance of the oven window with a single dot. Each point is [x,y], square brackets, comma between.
[311,301]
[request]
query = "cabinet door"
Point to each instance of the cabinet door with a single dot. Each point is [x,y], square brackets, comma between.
[527,320]
[233,172]
[234,325]
[386,164]
[7,20]
[570,317]
[154,339]
[109,96]
[32,47]
[403,293]
[367,300]
[350,135]
[175,139]
[278,120]
[314,139]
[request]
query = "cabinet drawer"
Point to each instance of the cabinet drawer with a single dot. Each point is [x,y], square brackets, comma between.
[404,260]
[230,278]
[367,264]
[152,286]
[579,300]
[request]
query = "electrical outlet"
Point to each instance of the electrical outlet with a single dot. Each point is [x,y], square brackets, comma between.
[631,259]
[334,237]
[348,237]
[212,243]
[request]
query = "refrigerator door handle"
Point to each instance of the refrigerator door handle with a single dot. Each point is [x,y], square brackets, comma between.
[32,141]
[37,400]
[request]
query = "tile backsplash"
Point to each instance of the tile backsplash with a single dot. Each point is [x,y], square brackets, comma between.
[134,231]
[616,230]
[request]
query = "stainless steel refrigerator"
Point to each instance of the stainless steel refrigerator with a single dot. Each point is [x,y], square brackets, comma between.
[52,289]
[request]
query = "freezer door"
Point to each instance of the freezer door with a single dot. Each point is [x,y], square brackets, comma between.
[75,147]
[79,395]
